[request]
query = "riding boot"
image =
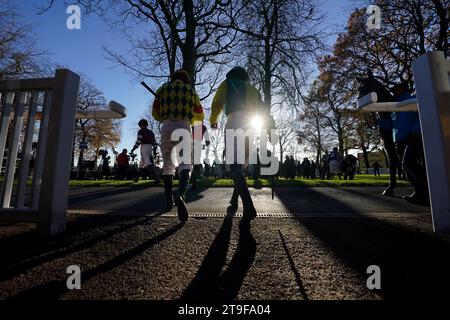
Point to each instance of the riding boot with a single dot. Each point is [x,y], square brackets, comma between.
[183,214]
[234,200]
[139,173]
[152,168]
[168,179]
[240,186]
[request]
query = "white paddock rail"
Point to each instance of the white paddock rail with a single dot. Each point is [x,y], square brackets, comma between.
[47,205]
[431,75]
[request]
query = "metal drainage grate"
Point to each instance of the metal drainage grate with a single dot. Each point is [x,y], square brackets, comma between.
[260,215]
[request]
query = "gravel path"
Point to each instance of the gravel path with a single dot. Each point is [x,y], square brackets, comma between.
[127,256]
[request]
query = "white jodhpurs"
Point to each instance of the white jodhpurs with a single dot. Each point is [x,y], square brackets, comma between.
[180,149]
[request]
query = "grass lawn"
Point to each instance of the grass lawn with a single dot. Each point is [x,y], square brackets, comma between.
[362,180]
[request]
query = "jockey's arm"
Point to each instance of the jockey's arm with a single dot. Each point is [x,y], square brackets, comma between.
[199,115]
[156,108]
[218,103]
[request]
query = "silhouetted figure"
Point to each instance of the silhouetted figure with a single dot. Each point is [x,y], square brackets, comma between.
[240,101]
[348,167]
[105,170]
[335,162]
[313,170]
[385,126]
[299,169]
[122,164]
[325,167]
[376,168]
[408,141]
[306,165]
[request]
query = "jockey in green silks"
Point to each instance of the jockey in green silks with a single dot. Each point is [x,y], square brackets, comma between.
[240,101]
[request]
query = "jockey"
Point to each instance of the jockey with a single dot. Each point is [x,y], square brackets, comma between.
[177,106]
[240,101]
[146,140]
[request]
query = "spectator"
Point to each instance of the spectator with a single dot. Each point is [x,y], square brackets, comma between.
[335,161]
[291,168]
[313,170]
[408,142]
[325,172]
[376,168]
[122,164]
[306,165]
[285,167]
[105,171]
[348,167]
[299,169]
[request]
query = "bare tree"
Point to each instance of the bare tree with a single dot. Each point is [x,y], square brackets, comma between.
[99,133]
[184,34]
[18,51]
[218,138]
[279,36]
[364,134]
[314,134]
[328,91]
[287,132]
[409,29]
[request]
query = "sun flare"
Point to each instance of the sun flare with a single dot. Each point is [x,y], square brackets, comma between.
[257,123]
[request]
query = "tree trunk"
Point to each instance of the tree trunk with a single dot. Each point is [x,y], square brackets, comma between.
[81,154]
[188,48]
[73,153]
[366,158]
[319,141]
[442,44]
[267,75]
[173,55]
[281,152]
[341,140]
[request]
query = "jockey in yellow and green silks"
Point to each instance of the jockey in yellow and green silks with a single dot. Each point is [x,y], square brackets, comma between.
[177,106]
[240,101]
[236,93]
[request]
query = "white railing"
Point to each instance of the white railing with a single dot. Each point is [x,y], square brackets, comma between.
[20,99]
[431,76]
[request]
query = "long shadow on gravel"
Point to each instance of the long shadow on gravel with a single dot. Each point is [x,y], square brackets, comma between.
[55,289]
[413,263]
[209,284]
[99,194]
[27,250]
[13,265]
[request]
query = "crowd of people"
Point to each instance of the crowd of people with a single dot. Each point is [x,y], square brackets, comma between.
[331,165]
[125,166]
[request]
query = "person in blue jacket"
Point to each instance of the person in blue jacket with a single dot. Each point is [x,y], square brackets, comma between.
[408,141]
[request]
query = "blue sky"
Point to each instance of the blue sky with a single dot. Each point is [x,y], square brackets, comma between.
[81,51]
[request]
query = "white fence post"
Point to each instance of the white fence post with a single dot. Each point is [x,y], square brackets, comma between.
[40,152]
[47,201]
[431,75]
[56,173]
[13,149]
[47,205]
[26,151]
[7,100]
